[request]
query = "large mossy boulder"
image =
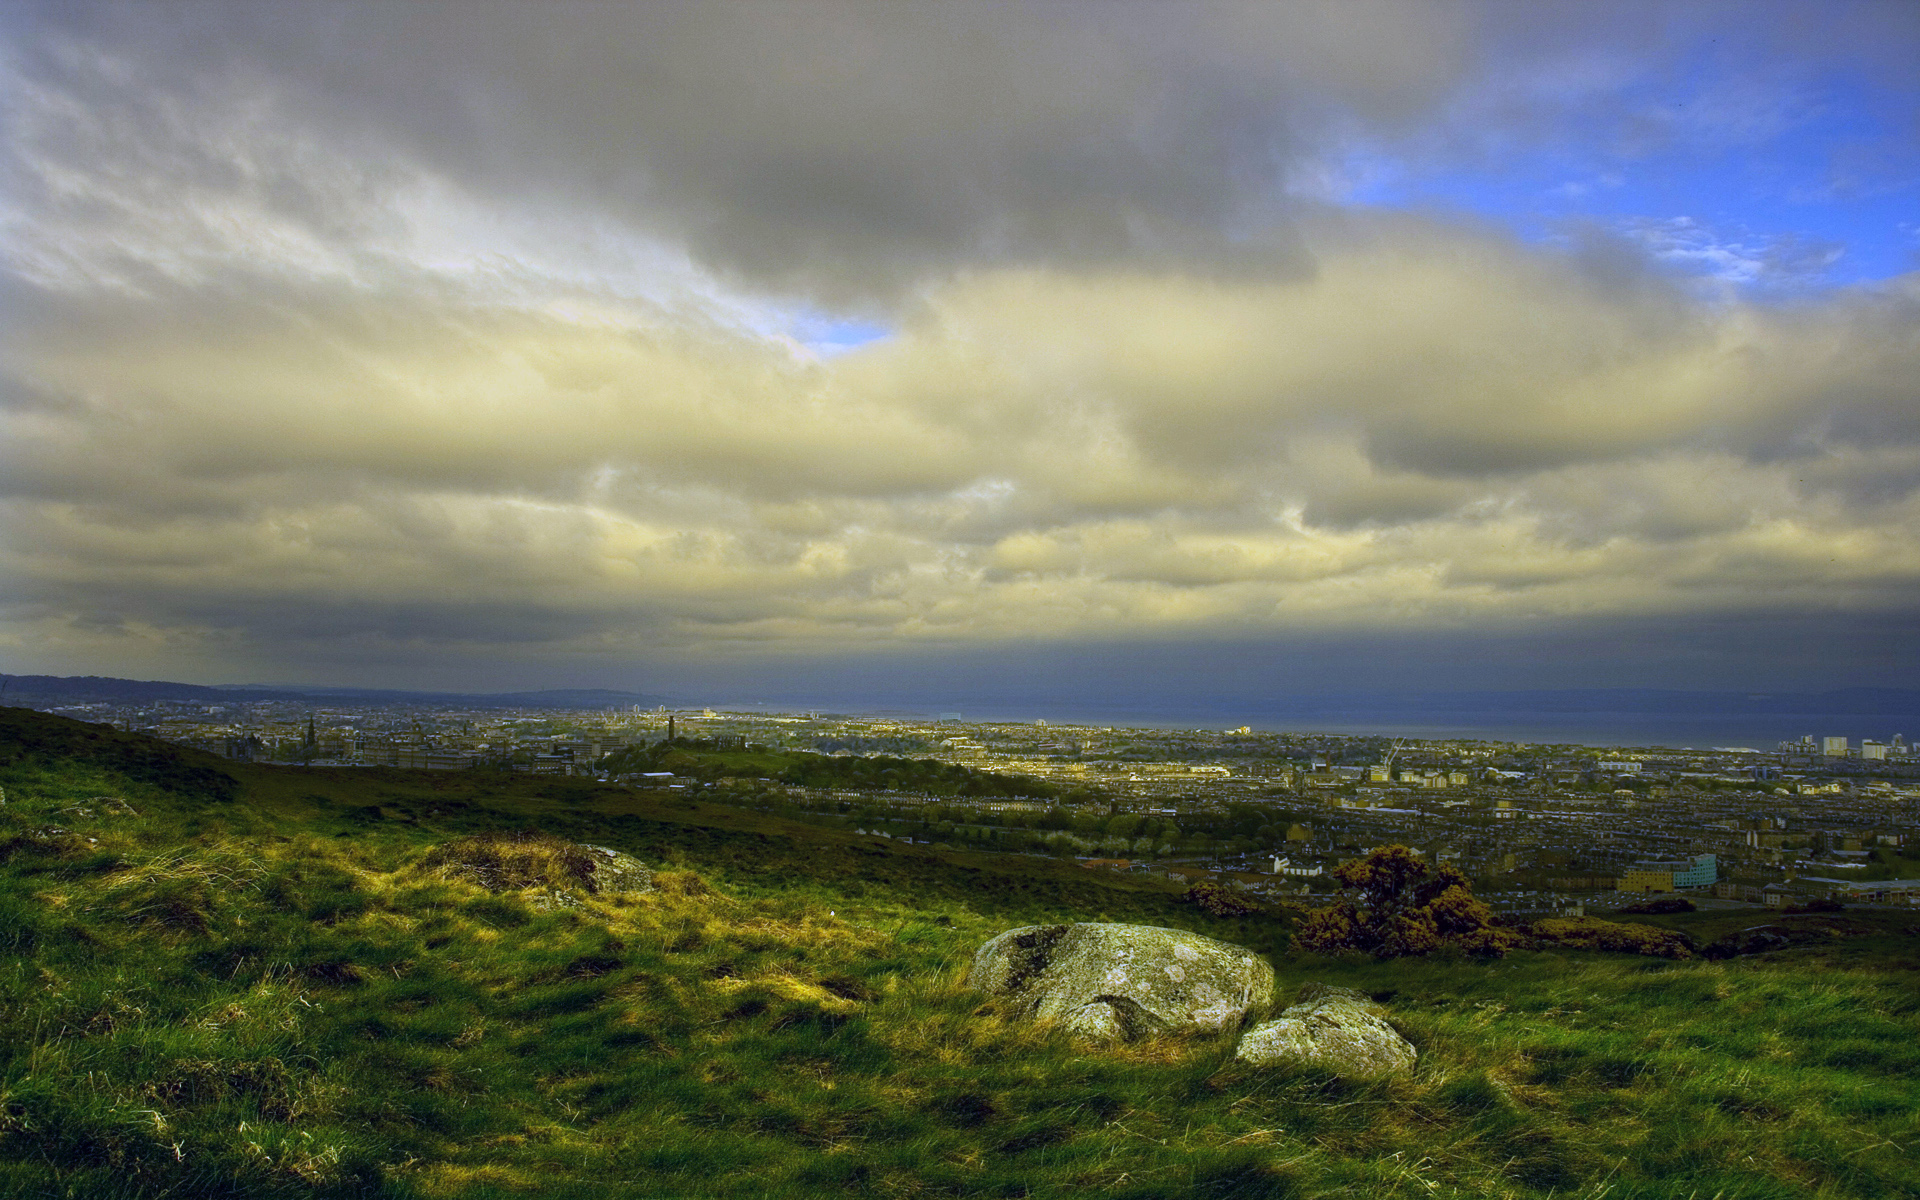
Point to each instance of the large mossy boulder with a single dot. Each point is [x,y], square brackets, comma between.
[1122,982]
[1334,1028]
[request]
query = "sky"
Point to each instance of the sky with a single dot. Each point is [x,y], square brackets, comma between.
[1060,351]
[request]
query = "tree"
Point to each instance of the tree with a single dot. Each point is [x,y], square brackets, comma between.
[1395,903]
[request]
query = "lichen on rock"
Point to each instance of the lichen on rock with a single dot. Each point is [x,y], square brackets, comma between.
[1108,982]
[1335,1028]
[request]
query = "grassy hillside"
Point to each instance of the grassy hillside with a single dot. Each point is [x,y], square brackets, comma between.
[699,759]
[249,981]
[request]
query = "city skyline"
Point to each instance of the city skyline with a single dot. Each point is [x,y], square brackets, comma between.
[1060,352]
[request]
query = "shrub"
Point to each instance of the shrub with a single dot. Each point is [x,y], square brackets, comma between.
[1218,900]
[1661,906]
[1397,904]
[1587,933]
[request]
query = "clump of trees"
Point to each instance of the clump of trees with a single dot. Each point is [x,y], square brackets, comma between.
[1395,903]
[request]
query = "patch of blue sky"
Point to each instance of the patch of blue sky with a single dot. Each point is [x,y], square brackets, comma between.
[826,335]
[1769,190]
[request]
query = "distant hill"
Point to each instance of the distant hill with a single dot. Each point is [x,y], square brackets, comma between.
[99,689]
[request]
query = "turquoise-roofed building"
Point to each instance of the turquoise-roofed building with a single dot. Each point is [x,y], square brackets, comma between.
[1703,870]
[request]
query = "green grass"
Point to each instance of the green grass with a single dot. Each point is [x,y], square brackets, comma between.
[263,988]
[699,759]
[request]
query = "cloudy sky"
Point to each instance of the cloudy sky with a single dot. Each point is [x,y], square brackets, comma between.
[925,347]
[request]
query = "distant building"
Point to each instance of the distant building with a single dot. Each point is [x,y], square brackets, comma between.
[1860,891]
[1621,767]
[1833,747]
[1779,895]
[1646,880]
[1700,871]
[1873,750]
[420,758]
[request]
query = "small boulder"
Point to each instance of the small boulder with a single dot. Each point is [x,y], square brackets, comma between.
[1760,939]
[1335,1028]
[618,871]
[1122,982]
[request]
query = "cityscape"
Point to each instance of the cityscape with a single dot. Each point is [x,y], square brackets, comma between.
[1538,827]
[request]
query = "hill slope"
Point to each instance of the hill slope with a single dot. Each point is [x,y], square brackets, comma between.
[230,980]
[78,689]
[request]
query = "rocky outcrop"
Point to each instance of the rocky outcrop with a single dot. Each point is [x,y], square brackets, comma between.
[618,871]
[1122,982]
[1334,1028]
[1759,939]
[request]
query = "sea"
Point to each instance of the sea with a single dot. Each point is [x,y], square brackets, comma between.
[1681,731]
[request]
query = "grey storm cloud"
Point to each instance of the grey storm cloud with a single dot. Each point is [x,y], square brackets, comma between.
[846,148]
[412,333]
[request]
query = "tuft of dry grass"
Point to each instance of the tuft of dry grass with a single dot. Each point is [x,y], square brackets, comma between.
[502,862]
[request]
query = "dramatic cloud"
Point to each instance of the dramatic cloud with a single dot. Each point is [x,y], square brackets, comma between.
[351,339]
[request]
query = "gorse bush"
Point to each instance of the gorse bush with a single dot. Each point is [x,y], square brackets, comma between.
[1398,904]
[1219,900]
[1588,933]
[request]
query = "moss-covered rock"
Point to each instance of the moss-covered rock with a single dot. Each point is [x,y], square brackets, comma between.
[1122,982]
[1334,1028]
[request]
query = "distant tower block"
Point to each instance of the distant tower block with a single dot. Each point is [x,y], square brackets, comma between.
[1833,747]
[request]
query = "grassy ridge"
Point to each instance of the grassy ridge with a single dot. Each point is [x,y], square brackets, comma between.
[699,759]
[262,988]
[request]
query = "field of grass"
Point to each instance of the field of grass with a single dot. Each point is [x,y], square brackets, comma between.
[260,987]
[697,759]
